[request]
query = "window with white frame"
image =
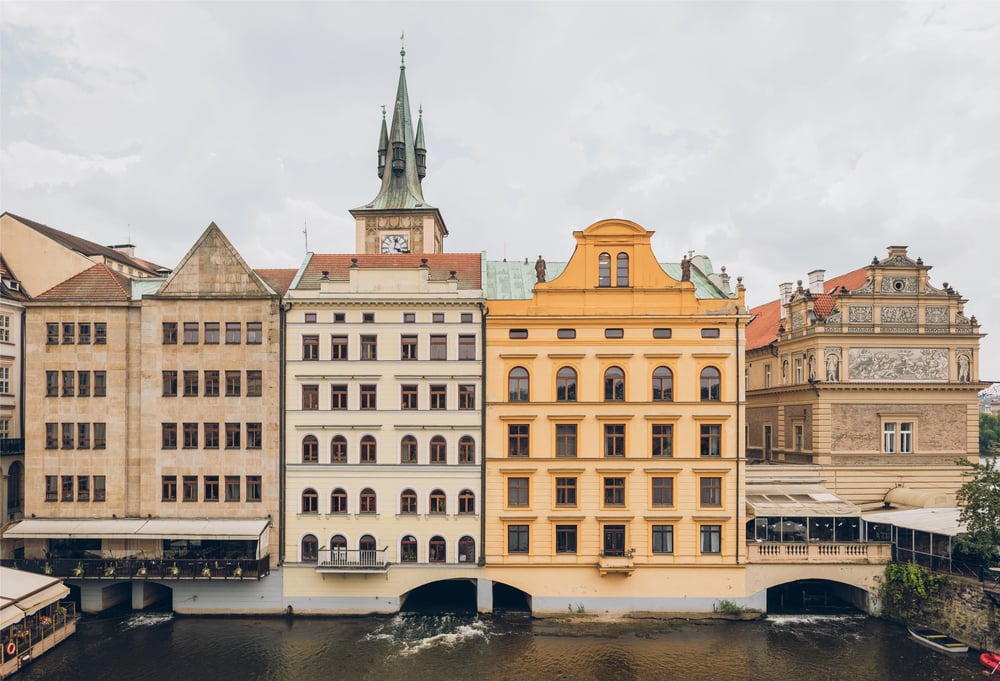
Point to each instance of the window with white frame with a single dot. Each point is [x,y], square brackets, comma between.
[897,437]
[4,380]
[4,328]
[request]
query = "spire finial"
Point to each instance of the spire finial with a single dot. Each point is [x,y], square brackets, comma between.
[421,110]
[383,112]
[402,51]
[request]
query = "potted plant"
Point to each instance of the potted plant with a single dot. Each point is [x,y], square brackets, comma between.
[78,570]
[174,570]
[238,572]
[206,571]
[109,570]
[47,569]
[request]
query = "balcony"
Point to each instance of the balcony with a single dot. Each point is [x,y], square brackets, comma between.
[11,446]
[132,568]
[617,564]
[819,552]
[352,560]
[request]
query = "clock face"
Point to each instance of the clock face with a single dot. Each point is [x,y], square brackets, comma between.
[395,243]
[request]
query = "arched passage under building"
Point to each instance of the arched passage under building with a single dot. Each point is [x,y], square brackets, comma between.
[816,596]
[447,595]
[510,599]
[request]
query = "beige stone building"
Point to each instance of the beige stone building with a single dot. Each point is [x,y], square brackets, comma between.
[12,298]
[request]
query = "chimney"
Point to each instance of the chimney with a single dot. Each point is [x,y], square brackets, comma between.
[785,291]
[125,249]
[816,281]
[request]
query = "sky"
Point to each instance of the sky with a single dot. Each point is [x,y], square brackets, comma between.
[775,138]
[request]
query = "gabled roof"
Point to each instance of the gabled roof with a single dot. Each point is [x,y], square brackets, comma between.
[763,327]
[99,283]
[10,287]
[89,248]
[466,266]
[213,267]
[279,280]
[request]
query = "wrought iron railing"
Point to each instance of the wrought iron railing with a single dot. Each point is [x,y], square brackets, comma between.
[134,568]
[11,445]
[49,623]
[352,559]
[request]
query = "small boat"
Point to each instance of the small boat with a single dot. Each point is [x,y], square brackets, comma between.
[991,661]
[938,641]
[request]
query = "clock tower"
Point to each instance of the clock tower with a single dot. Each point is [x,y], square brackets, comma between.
[398,220]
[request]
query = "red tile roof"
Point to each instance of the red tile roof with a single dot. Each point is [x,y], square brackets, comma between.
[99,283]
[279,280]
[763,328]
[466,266]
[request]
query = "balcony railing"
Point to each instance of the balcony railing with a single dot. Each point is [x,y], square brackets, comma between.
[36,634]
[11,445]
[623,564]
[818,552]
[352,560]
[132,568]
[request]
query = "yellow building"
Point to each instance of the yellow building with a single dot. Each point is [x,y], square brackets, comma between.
[614,422]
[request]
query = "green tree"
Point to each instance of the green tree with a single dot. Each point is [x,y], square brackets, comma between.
[905,587]
[979,497]
[989,433]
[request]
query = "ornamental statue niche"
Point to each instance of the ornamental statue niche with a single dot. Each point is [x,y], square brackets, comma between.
[832,367]
[964,369]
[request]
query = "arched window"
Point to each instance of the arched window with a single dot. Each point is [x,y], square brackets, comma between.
[310,501]
[604,269]
[439,450]
[408,449]
[310,548]
[466,550]
[408,501]
[408,549]
[338,449]
[711,381]
[517,385]
[438,550]
[310,449]
[338,542]
[338,501]
[438,502]
[663,384]
[466,501]
[466,450]
[621,270]
[614,384]
[366,543]
[368,502]
[566,384]
[368,449]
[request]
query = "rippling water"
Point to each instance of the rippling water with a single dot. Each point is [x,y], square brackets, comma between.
[159,646]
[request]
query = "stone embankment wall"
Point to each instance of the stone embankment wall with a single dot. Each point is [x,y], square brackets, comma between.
[962,610]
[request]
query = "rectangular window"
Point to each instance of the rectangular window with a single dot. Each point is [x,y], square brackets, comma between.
[100,488]
[255,383]
[663,439]
[100,338]
[82,384]
[189,488]
[566,440]
[211,488]
[711,538]
[614,333]
[905,438]
[310,347]
[255,436]
[614,540]
[100,384]
[710,492]
[168,485]
[170,333]
[253,488]
[565,538]
[233,435]
[338,348]
[369,397]
[68,488]
[711,439]
[798,370]
[4,328]
[68,382]
[437,317]
[517,334]
[51,384]
[767,375]
[83,436]
[100,435]
[407,347]
[439,397]
[662,491]
[798,430]
[407,397]
[614,491]
[367,317]
[211,383]
[439,347]
[68,435]
[369,347]
[51,435]
[69,333]
[338,396]
[614,439]
[709,333]
[83,333]
[189,435]
[566,492]
[212,333]
[566,334]
[190,333]
[233,381]
[309,317]
[51,488]
[168,435]
[467,347]
[51,338]
[233,333]
[233,486]
[409,317]
[211,431]
[190,384]
[255,333]
[466,397]
[83,488]
[897,437]
[517,539]
[663,333]
[338,318]
[663,538]
[517,439]
[517,492]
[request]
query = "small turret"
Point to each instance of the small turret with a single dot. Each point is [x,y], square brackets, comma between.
[383,145]
[419,148]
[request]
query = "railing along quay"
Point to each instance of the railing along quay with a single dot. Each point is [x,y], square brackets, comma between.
[134,568]
[818,552]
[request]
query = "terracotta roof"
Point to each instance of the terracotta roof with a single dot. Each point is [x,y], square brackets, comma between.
[279,280]
[88,248]
[763,329]
[7,275]
[467,267]
[99,283]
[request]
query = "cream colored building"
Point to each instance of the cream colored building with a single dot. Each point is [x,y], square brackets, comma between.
[614,425]
[12,299]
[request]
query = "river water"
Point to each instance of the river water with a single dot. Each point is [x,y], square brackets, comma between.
[410,647]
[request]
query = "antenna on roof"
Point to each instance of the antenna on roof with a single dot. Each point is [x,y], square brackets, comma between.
[305,233]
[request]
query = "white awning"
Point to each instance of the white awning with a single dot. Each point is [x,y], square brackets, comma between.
[202,529]
[934,520]
[9,613]
[27,593]
[796,499]
[127,528]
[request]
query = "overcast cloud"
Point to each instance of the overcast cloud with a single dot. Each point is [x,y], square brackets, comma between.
[775,138]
